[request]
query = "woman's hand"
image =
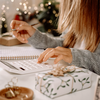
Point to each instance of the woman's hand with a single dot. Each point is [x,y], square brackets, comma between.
[60,53]
[23,30]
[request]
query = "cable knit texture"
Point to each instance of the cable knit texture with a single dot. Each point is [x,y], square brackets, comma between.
[81,58]
[43,41]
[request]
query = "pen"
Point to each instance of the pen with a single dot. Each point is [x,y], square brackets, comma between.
[31,25]
[10,35]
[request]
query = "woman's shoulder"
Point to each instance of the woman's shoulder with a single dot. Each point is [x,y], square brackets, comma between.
[98,49]
[64,32]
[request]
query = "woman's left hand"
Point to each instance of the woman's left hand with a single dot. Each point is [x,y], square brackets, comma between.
[60,53]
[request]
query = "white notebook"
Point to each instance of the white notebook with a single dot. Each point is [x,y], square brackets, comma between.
[15,53]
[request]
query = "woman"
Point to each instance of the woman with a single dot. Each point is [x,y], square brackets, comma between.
[80,46]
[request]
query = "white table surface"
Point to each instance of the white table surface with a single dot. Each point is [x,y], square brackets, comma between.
[28,80]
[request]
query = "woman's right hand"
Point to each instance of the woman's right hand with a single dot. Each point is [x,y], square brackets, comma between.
[23,30]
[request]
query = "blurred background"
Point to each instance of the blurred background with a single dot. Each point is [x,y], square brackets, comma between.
[46,12]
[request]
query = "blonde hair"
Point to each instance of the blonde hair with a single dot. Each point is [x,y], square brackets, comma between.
[82,19]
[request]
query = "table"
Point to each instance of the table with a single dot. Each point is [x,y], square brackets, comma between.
[28,80]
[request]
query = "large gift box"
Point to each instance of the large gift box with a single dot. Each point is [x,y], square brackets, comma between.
[53,86]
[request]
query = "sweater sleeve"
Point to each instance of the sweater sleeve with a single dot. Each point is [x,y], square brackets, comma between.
[87,59]
[42,41]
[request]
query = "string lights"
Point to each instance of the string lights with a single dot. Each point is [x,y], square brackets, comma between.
[26,9]
[6,6]
[12,0]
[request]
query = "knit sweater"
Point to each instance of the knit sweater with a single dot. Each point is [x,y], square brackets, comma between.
[81,58]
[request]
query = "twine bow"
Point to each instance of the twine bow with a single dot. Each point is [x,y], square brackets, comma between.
[61,70]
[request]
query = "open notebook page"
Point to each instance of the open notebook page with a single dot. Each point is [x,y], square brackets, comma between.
[7,53]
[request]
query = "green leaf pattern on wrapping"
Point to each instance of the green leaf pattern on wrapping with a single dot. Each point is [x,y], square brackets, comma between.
[87,78]
[73,90]
[62,86]
[51,89]
[55,94]
[47,83]
[62,81]
[46,77]
[46,87]
[66,82]
[37,82]
[52,93]
[84,79]
[79,80]
[74,78]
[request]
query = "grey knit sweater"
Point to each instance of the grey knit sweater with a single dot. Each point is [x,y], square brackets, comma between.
[81,58]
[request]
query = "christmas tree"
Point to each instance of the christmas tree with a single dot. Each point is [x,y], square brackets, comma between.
[22,15]
[3,24]
[48,16]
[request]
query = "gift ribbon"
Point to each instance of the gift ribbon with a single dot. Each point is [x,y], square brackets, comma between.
[64,69]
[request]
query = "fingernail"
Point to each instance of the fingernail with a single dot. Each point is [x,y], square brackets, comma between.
[44,59]
[17,27]
[38,62]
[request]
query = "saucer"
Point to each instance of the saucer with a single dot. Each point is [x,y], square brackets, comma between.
[26,94]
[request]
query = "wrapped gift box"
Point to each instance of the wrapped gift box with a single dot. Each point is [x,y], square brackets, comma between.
[8,39]
[53,87]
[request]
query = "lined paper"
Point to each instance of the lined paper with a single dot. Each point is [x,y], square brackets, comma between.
[14,53]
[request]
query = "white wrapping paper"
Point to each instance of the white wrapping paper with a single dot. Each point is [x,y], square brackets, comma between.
[53,87]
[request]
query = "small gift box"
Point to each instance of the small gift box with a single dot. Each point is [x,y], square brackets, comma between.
[8,39]
[57,83]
